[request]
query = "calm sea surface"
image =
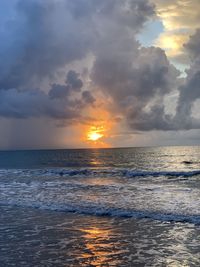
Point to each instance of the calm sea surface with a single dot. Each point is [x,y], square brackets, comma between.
[100,207]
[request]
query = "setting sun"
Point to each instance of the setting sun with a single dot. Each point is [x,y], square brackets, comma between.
[95,133]
[94,136]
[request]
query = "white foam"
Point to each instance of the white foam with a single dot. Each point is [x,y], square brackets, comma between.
[153,198]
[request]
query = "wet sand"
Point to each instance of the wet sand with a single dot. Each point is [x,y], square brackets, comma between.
[32,237]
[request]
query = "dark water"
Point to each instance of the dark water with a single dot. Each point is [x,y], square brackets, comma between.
[155,158]
[107,207]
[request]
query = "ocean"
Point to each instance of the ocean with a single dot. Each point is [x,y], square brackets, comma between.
[100,207]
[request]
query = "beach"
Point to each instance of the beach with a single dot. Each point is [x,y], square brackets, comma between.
[44,238]
[111,207]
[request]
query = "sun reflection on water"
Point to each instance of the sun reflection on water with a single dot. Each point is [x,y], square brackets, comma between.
[99,248]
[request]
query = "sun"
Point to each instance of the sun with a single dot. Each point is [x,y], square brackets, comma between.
[95,133]
[93,136]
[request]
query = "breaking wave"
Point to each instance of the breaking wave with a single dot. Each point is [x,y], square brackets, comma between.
[161,195]
[62,172]
[113,212]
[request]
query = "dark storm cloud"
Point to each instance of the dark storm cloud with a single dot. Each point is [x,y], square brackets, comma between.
[193,46]
[41,38]
[190,91]
[59,91]
[57,104]
[88,97]
[138,85]
[34,103]
[72,84]
[138,80]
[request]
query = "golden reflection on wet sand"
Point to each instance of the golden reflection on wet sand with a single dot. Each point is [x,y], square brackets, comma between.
[100,250]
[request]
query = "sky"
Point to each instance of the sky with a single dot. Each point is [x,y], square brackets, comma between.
[90,73]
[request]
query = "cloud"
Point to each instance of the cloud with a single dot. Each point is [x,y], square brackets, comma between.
[177,14]
[190,90]
[137,85]
[43,37]
[40,37]
[59,91]
[88,97]
[32,103]
[172,43]
[72,84]
[41,40]
[138,80]
[193,45]
[57,104]
[180,19]
[73,81]
[187,116]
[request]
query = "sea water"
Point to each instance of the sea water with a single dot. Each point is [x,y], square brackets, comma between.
[100,207]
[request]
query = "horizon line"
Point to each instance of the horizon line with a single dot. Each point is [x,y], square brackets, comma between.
[93,148]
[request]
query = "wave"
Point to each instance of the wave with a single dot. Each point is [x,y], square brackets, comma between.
[163,173]
[129,173]
[112,212]
[158,199]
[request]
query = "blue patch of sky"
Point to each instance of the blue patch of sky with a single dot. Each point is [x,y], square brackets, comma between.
[150,33]
[7,13]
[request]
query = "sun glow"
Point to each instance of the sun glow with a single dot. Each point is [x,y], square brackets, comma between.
[95,133]
[93,136]
[98,133]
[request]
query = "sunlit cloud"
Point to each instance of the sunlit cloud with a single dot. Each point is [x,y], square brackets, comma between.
[172,43]
[180,19]
[178,15]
